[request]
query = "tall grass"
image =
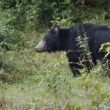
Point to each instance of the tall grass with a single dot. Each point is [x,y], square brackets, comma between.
[33,81]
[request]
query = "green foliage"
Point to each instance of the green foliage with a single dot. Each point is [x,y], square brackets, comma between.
[66,12]
[85,57]
[105,47]
[31,80]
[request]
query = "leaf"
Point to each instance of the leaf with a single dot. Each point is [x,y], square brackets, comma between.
[67,107]
[104,95]
[79,108]
[67,1]
[97,88]
[105,47]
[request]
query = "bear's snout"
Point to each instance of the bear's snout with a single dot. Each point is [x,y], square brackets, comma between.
[41,47]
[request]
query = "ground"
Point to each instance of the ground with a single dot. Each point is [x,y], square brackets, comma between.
[44,82]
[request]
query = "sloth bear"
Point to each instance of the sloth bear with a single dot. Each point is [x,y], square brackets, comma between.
[65,39]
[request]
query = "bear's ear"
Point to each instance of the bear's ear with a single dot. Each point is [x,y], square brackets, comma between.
[56,29]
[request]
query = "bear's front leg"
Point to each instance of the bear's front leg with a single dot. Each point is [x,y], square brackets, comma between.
[75,68]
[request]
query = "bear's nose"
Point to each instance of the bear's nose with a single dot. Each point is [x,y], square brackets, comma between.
[41,46]
[38,48]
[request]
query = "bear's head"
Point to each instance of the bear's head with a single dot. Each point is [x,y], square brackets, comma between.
[50,41]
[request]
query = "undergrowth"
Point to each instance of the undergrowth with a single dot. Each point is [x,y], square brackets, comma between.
[33,81]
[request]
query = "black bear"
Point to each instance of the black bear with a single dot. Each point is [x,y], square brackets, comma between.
[65,39]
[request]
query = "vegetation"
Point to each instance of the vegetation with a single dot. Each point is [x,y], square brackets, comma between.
[33,81]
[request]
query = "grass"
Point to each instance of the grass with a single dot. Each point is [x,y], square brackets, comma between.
[34,81]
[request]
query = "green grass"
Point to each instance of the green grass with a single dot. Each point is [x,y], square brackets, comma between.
[35,81]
